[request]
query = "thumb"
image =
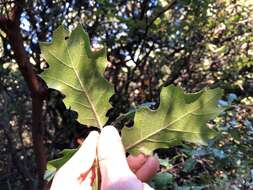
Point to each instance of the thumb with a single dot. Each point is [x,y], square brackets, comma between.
[113,164]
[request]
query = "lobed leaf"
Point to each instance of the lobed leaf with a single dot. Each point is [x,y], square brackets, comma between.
[180,117]
[77,71]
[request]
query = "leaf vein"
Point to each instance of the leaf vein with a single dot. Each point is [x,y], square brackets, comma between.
[166,126]
[86,106]
[85,91]
[59,60]
[63,82]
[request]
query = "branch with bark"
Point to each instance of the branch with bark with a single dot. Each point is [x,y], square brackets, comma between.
[10,24]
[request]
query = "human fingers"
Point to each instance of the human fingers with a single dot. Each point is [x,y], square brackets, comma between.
[144,167]
[86,154]
[71,174]
[136,162]
[114,168]
[148,169]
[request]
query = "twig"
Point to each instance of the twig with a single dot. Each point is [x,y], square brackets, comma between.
[168,7]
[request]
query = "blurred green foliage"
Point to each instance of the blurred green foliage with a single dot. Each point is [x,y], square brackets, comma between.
[151,43]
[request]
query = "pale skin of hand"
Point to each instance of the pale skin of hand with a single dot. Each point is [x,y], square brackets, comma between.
[117,171]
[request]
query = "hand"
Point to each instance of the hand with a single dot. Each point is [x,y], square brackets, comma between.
[117,172]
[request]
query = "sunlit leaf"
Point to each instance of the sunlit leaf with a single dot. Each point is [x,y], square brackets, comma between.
[77,71]
[180,117]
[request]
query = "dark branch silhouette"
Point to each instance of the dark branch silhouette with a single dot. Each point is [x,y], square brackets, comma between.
[10,24]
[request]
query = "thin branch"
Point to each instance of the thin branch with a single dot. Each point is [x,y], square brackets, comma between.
[168,7]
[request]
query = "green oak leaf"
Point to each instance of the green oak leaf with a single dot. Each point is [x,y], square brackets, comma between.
[77,71]
[180,117]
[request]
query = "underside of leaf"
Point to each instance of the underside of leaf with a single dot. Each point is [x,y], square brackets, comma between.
[77,71]
[180,117]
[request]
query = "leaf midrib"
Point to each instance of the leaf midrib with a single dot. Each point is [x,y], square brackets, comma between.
[84,90]
[164,128]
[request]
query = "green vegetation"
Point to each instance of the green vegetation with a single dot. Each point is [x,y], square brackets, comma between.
[154,47]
